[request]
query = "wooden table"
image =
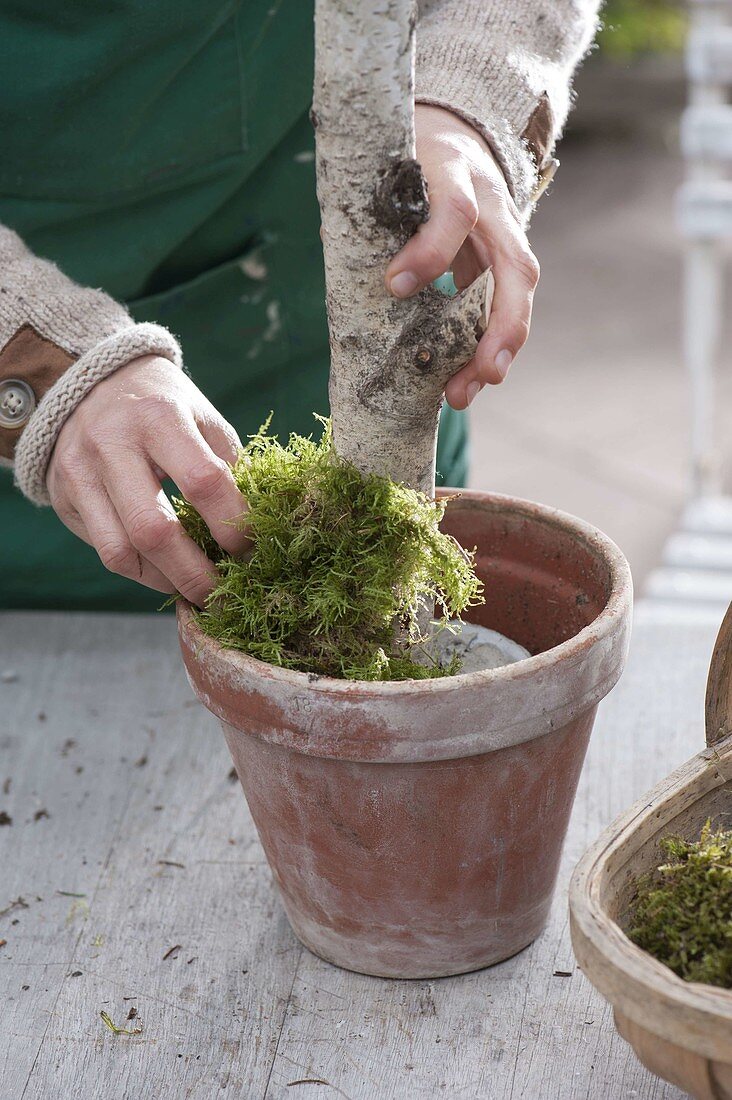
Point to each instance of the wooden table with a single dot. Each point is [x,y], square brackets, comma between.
[132,882]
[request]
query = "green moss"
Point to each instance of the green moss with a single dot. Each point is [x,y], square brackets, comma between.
[683,911]
[340,566]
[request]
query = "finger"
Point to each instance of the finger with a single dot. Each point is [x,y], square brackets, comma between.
[430,252]
[80,500]
[466,267]
[508,329]
[516,276]
[220,436]
[463,387]
[516,271]
[95,521]
[154,530]
[206,481]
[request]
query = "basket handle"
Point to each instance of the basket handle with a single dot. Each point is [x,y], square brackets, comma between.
[718,704]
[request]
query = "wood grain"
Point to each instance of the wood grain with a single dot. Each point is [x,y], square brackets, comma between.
[252,1012]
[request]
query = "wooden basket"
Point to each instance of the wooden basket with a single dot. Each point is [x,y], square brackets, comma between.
[680,1030]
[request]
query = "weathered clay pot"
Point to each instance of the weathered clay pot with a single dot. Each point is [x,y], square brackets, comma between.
[415,828]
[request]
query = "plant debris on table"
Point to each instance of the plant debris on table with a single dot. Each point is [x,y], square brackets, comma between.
[682,914]
[115,1028]
[340,569]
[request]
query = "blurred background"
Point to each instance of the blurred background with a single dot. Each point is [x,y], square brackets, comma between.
[595,416]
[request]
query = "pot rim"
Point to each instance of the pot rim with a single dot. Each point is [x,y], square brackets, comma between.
[603,625]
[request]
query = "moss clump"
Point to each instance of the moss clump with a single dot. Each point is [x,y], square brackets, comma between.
[683,911]
[340,566]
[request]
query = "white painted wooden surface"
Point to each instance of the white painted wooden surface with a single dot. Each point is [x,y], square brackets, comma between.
[108,768]
[705,219]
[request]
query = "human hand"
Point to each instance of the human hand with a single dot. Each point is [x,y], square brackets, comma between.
[473,225]
[142,423]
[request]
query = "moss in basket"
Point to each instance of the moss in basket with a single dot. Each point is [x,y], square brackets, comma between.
[340,567]
[682,914]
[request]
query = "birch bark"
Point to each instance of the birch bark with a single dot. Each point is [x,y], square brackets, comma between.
[390,359]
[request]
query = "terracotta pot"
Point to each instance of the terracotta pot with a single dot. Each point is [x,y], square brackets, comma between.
[415,828]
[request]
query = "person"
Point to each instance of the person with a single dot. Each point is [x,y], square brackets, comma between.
[161,154]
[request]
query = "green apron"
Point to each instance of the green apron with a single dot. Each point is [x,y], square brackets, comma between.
[161,149]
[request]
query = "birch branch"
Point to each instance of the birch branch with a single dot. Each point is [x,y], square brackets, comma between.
[390,359]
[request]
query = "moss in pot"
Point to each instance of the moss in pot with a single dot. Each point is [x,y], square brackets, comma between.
[682,913]
[341,570]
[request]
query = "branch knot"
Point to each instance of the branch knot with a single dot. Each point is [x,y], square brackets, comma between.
[400,199]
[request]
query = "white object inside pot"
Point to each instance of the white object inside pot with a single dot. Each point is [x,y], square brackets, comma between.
[477,647]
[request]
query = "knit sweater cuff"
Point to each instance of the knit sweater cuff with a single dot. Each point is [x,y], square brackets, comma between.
[36,444]
[57,340]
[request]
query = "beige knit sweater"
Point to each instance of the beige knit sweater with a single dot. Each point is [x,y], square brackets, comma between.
[505,66]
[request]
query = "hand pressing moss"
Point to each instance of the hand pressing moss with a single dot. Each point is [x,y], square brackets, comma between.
[683,912]
[340,568]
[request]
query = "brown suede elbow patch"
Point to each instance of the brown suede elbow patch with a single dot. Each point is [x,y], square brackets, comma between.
[31,359]
[539,131]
